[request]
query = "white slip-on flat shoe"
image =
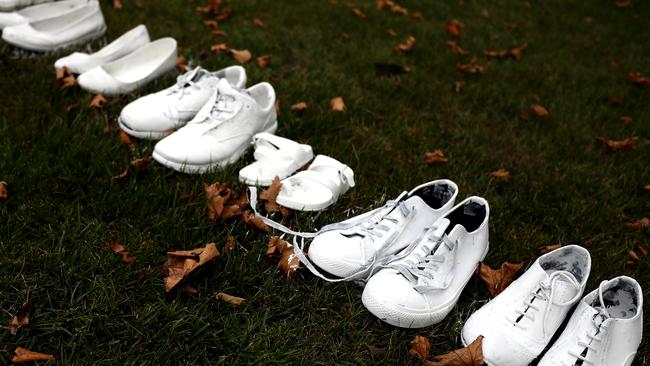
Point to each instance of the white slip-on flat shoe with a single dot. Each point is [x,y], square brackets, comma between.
[154,116]
[78,26]
[604,330]
[275,156]
[9,5]
[79,62]
[132,71]
[222,130]
[419,289]
[39,12]
[318,187]
[519,322]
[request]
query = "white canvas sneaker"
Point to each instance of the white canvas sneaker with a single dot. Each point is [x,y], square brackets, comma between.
[154,115]
[221,131]
[421,288]
[519,322]
[605,329]
[39,12]
[9,5]
[367,240]
[78,26]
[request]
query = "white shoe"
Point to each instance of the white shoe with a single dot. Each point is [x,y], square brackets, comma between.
[9,5]
[155,115]
[79,62]
[369,239]
[132,71]
[222,130]
[39,12]
[275,156]
[604,330]
[421,288]
[519,322]
[78,26]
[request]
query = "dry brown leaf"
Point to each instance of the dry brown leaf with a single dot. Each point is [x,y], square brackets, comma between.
[622,4]
[3,190]
[517,52]
[501,175]
[420,347]
[191,290]
[626,120]
[20,319]
[258,23]
[634,256]
[263,61]
[514,53]
[391,32]
[120,250]
[117,4]
[72,107]
[636,78]
[396,9]
[236,207]
[540,111]
[181,264]
[122,175]
[230,244]
[241,56]
[549,248]
[217,194]
[472,67]
[458,85]
[497,280]
[140,164]
[640,224]
[357,12]
[225,13]
[471,355]
[219,47]
[435,157]
[456,48]
[98,101]
[406,46]
[289,262]
[417,15]
[645,188]
[230,299]
[253,221]
[453,27]
[337,104]
[181,63]
[212,7]
[219,33]
[24,355]
[619,145]
[299,107]
[212,24]
[270,194]
[275,246]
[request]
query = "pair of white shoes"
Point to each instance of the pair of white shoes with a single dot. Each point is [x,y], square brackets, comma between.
[518,324]
[53,25]
[124,65]
[313,189]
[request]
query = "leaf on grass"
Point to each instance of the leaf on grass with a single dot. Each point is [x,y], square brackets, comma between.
[626,120]
[417,15]
[357,12]
[230,299]
[263,61]
[288,262]
[72,107]
[391,32]
[454,26]
[3,190]
[180,264]
[406,46]
[458,86]
[390,69]
[20,319]
[472,67]
[212,24]
[337,104]
[258,23]
[253,221]
[299,107]
[98,101]
[230,244]
[501,175]
[635,255]
[623,4]
[639,225]
[225,13]
[212,7]
[636,78]
[420,347]
[120,250]
[619,145]
[270,194]
[456,48]
[549,248]
[497,280]
[471,355]
[117,4]
[241,56]
[514,53]
[375,351]
[392,6]
[181,63]
[122,175]
[191,290]
[217,194]
[219,47]
[539,110]
[435,157]
[219,33]
[65,78]
[24,355]
[645,188]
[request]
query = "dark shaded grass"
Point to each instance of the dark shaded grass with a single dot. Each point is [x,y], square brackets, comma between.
[88,307]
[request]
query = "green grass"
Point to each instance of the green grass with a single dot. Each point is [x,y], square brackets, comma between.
[89,308]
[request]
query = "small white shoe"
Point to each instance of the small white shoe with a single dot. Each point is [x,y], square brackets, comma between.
[368,240]
[275,156]
[519,322]
[9,5]
[132,71]
[222,130]
[420,288]
[78,26]
[79,62]
[39,12]
[155,115]
[604,330]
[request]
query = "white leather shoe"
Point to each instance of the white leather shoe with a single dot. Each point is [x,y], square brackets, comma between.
[132,71]
[222,130]
[78,26]
[154,115]
[421,288]
[39,12]
[604,330]
[357,251]
[79,62]
[519,322]
[9,5]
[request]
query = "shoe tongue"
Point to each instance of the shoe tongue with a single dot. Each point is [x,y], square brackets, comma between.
[224,87]
[563,289]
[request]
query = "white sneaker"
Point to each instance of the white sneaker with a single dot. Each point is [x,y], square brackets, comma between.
[9,5]
[132,71]
[154,115]
[80,25]
[222,130]
[356,251]
[421,288]
[39,12]
[79,62]
[605,329]
[519,322]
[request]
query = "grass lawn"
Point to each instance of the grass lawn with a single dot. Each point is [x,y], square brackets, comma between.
[87,307]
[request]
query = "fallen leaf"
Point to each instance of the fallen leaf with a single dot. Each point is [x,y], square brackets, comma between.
[619,145]
[539,110]
[517,52]
[263,61]
[212,24]
[212,7]
[392,6]
[636,78]
[120,250]
[230,299]
[299,107]
[219,33]
[626,120]
[122,175]
[514,53]
[375,352]
[65,78]
[98,101]
[435,157]
[639,225]
[191,290]
[72,107]
[453,27]
[24,355]
[456,48]
[289,262]
[253,221]
[20,319]
[645,188]
[497,280]
[219,47]
[3,190]
[357,12]
[181,63]
[406,46]
[258,23]
[230,244]
[337,104]
[472,67]
[458,85]
[471,355]
[420,347]
[391,32]
[111,126]
[117,4]
[549,248]
[180,264]
[216,195]
[635,255]
[390,69]
[275,246]
[140,164]
[241,56]
[622,4]
[270,194]
[224,14]
[501,175]
[417,15]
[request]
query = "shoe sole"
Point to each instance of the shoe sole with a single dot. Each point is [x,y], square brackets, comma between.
[84,39]
[147,135]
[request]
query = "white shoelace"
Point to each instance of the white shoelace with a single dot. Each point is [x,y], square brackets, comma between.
[183,83]
[599,328]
